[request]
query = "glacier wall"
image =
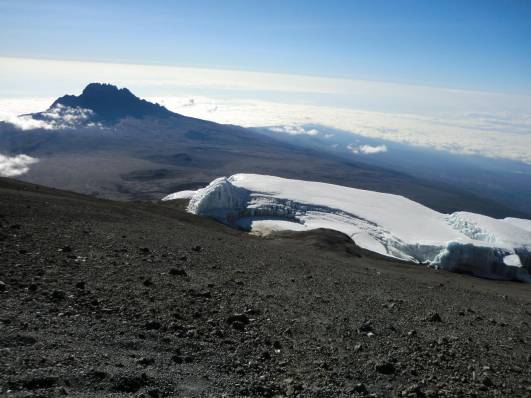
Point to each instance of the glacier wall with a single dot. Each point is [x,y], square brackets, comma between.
[464,242]
[483,261]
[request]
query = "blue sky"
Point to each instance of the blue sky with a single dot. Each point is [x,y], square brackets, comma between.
[481,45]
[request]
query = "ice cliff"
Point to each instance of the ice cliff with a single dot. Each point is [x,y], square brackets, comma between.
[384,223]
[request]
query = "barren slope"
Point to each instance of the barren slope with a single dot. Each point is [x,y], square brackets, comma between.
[101,297]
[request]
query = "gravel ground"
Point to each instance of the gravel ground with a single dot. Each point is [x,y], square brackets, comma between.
[102,298]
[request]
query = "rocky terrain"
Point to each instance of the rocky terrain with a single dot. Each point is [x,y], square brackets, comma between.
[105,298]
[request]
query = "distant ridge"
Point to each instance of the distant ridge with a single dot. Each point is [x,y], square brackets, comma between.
[110,103]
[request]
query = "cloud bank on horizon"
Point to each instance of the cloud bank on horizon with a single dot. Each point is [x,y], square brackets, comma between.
[459,121]
[490,135]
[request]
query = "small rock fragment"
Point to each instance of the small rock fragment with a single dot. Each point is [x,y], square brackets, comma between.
[131,384]
[238,318]
[360,388]
[487,382]
[434,317]
[178,272]
[238,325]
[58,295]
[366,327]
[148,282]
[385,367]
[413,391]
[153,325]
[146,361]
[36,383]
[154,393]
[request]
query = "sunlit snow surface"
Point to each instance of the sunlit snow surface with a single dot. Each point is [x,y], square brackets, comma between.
[179,195]
[519,222]
[384,223]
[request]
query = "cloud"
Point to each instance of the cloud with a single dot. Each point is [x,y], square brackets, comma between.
[367,149]
[26,122]
[57,118]
[496,135]
[64,117]
[11,108]
[191,102]
[294,130]
[12,166]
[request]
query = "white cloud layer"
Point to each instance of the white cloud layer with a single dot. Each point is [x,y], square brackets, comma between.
[492,135]
[12,166]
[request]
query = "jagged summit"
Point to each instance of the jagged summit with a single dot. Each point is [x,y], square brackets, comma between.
[110,103]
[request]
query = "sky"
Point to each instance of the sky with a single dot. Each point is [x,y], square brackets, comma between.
[452,75]
[483,45]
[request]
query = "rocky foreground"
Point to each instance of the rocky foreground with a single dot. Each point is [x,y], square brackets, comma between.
[137,299]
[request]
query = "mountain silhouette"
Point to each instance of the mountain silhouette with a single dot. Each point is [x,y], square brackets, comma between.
[110,103]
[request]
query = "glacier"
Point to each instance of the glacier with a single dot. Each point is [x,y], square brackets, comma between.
[384,223]
[179,195]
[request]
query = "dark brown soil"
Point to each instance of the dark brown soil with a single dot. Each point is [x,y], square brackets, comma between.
[101,298]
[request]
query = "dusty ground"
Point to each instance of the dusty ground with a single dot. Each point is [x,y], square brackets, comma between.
[104,298]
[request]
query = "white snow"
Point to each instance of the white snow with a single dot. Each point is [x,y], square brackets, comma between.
[512,260]
[179,195]
[384,223]
[519,222]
